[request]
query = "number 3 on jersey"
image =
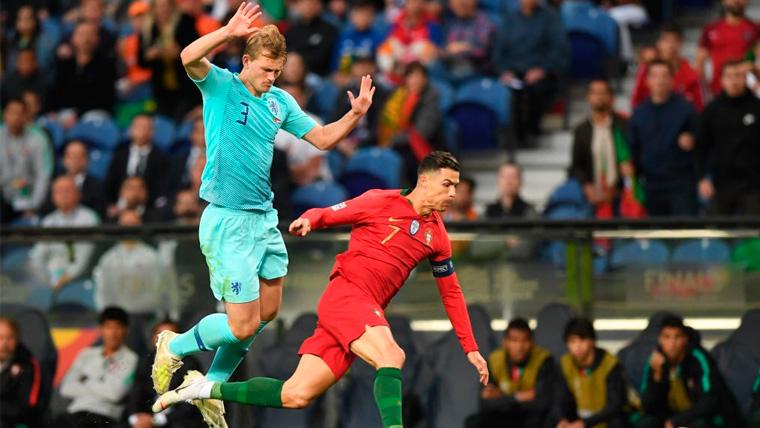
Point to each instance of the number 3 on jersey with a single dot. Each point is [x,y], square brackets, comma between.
[244,113]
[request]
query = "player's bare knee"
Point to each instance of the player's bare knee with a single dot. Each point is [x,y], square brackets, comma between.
[394,356]
[244,330]
[269,314]
[294,397]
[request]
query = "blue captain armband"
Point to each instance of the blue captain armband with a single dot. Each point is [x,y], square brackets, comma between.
[442,268]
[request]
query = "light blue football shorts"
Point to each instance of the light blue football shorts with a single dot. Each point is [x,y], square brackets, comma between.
[240,246]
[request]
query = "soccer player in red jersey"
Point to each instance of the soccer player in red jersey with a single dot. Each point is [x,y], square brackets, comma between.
[392,232]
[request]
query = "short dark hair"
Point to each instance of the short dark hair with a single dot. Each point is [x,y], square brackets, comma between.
[114,313]
[604,82]
[729,64]
[12,100]
[163,322]
[671,28]
[518,324]
[672,321]
[581,327]
[663,63]
[437,160]
[415,66]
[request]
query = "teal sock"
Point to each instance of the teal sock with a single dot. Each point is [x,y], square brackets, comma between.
[388,396]
[228,357]
[257,391]
[210,333]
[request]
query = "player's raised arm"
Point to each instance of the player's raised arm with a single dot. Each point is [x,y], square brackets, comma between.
[456,309]
[240,25]
[327,136]
[351,211]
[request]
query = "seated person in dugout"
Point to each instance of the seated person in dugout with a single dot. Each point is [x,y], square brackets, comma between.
[682,386]
[591,391]
[522,381]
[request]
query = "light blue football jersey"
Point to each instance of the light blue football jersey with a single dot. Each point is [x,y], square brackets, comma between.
[240,131]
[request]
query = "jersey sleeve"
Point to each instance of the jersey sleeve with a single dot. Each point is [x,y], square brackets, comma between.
[352,211]
[297,122]
[216,81]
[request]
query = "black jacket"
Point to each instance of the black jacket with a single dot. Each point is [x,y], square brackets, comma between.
[519,209]
[582,167]
[142,396]
[93,197]
[728,147]
[314,41]
[155,175]
[95,79]
[20,383]
[545,381]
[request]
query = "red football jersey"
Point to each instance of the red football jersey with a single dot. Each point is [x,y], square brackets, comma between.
[727,42]
[388,240]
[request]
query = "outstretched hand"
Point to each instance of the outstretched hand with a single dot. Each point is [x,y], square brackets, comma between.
[360,104]
[477,360]
[300,227]
[240,23]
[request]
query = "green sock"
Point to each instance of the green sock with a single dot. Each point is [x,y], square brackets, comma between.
[229,357]
[257,391]
[388,396]
[210,333]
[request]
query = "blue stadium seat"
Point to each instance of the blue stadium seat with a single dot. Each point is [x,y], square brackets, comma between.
[477,126]
[550,328]
[99,132]
[325,96]
[317,195]
[583,16]
[164,133]
[703,251]
[55,131]
[372,168]
[100,160]
[445,93]
[490,5]
[568,201]
[78,292]
[587,56]
[640,252]
[489,93]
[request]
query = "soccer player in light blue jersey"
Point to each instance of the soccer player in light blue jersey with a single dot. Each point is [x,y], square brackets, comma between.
[238,231]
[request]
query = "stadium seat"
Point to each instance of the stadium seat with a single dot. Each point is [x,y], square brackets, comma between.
[55,131]
[445,93]
[317,195]
[550,328]
[98,131]
[280,362]
[100,160]
[455,390]
[477,126]
[587,56]
[372,168]
[164,133]
[738,357]
[640,252]
[489,93]
[585,17]
[35,334]
[323,104]
[359,408]
[634,355]
[709,251]
[78,292]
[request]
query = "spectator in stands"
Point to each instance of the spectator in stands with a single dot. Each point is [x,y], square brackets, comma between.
[231,57]
[142,395]
[359,38]
[25,77]
[25,164]
[133,196]
[727,151]
[753,72]
[131,273]
[592,387]
[682,385]
[20,379]
[182,167]
[685,81]
[600,156]
[662,131]
[166,32]
[57,261]
[531,53]
[93,12]
[34,104]
[129,46]
[468,35]
[462,209]
[100,378]
[82,69]
[141,158]
[306,163]
[411,120]
[75,161]
[30,33]
[204,23]
[728,38]
[521,385]
[414,37]
[312,36]
[510,203]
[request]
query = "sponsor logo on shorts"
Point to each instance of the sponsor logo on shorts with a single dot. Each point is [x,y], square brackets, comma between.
[236,286]
[414,227]
[339,206]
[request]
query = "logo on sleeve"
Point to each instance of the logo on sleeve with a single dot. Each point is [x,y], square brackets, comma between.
[339,206]
[414,227]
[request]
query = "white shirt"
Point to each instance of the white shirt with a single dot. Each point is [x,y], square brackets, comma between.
[299,151]
[135,153]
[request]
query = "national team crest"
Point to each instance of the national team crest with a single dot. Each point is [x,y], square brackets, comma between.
[274,107]
[414,227]
[428,237]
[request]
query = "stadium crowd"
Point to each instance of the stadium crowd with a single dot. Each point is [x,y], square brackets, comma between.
[95,91]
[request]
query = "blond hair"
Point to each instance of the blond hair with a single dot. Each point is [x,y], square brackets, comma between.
[268,41]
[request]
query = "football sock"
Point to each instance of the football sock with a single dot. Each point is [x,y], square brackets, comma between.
[229,357]
[388,395]
[257,391]
[210,333]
